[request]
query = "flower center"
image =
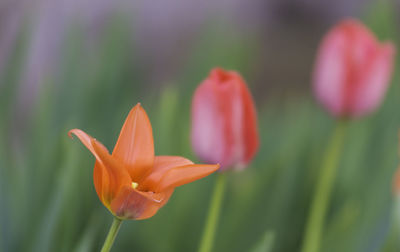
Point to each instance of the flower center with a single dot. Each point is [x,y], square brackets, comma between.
[134,185]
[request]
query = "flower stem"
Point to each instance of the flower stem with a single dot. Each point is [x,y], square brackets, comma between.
[213,214]
[323,190]
[111,235]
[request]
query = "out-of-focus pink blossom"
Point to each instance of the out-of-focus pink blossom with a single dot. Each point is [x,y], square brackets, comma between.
[352,70]
[224,120]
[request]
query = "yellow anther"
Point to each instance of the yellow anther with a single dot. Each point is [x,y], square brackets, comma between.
[134,185]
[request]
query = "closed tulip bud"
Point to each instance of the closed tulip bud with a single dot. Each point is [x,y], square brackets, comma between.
[224,120]
[352,70]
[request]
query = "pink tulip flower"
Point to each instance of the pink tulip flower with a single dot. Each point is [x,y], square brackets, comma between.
[224,120]
[352,70]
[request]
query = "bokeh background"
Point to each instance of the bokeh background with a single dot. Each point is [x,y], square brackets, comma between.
[85,63]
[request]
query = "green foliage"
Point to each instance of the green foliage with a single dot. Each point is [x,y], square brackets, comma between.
[266,243]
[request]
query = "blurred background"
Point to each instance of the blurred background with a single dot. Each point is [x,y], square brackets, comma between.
[85,63]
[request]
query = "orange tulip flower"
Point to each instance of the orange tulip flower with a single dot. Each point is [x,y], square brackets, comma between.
[131,182]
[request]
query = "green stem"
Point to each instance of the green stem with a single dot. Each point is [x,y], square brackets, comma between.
[392,242]
[111,235]
[323,190]
[213,214]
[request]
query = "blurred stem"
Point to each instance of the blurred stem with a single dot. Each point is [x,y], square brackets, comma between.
[323,190]
[213,214]
[111,235]
[392,240]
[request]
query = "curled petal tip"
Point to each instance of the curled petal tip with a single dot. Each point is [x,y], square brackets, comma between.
[70,135]
[71,132]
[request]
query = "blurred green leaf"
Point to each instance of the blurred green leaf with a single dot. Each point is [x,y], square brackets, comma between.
[266,243]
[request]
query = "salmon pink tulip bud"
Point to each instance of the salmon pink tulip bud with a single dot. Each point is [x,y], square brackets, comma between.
[224,120]
[352,70]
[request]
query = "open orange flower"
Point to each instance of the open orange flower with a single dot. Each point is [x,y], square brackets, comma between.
[131,182]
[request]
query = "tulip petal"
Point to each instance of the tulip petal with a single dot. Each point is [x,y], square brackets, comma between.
[100,174]
[250,130]
[101,182]
[182,175]
[85,139]
[162,164]
[135,148]
[217,115]
[376,80]
[118,176]
[207,132]
[134,204]
[329,74]
[109,175]
[230,104]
